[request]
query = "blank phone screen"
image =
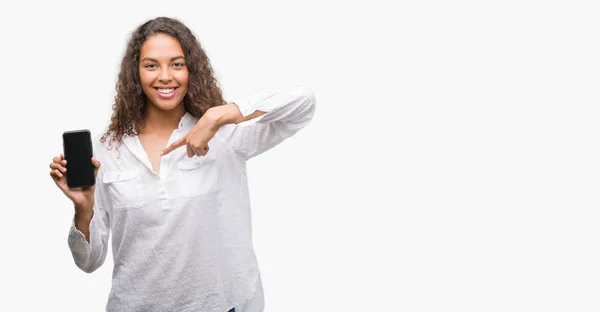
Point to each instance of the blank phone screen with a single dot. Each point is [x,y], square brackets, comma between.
[78,153]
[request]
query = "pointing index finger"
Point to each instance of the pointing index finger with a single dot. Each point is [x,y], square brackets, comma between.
[173,146]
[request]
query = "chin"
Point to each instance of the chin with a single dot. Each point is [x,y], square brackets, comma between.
[167,105]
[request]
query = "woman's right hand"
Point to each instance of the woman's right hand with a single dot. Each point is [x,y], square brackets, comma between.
[83,197]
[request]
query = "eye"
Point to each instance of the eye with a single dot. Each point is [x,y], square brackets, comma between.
[149,66]
[179,64]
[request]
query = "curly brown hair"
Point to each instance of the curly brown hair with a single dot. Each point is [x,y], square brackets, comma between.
[130,102]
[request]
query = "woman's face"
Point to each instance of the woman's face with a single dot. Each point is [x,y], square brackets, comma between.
[163,71]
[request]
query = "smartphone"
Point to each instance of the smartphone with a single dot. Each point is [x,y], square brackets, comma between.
[77,147]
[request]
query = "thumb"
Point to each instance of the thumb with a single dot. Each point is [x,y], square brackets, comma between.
[173,146]
[96,164]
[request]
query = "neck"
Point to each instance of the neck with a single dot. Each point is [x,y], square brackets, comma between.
[162,122]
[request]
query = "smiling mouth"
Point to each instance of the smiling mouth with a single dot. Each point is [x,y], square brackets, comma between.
[166,93]
[166,90]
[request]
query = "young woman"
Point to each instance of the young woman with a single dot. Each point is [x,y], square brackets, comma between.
[171,179]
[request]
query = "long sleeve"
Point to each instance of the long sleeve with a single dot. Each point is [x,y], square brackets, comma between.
[288,110]
[90,256]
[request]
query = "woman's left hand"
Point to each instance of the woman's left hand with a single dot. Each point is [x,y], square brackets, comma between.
[197,139]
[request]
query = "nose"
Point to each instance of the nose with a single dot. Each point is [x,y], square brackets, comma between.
[165,76]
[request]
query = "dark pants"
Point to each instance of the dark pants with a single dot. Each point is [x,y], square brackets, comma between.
[232,310]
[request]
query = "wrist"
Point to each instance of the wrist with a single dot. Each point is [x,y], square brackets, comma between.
[84,210]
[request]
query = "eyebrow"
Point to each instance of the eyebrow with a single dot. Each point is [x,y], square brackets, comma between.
[154,60]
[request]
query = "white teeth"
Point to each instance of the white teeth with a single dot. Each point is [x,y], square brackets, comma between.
[166,90]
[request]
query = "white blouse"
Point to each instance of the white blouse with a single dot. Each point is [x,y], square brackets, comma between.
[182,239]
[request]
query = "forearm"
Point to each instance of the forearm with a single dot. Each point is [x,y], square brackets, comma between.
[88,237]
[83,218]
[230,114]
[282,112]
